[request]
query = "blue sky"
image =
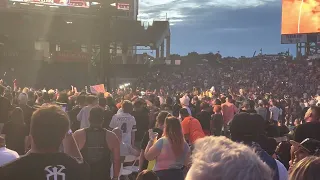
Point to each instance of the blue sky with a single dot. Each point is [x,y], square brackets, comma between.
[233,27]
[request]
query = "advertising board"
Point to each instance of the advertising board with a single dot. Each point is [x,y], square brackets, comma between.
[66,3]
[293,38]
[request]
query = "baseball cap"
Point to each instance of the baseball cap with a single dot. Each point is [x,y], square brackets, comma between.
[310,145]
[246,127]
[307,130]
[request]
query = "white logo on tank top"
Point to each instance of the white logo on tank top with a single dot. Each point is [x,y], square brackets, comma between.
[54,172]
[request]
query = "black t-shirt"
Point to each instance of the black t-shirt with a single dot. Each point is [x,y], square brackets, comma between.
[145,141]
[108,114]
[4,109]
[27,113]
[45,167]
[75,124]
[15,136]
[142,120]
[204,118]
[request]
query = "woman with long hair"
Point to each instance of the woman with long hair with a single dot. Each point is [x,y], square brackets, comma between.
[306,169]
[171,152]
[16,132]
[158,128]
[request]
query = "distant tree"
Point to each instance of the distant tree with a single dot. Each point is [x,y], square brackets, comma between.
[192,58]
[175,57]
[193,54]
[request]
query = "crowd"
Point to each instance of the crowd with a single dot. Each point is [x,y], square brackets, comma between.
[253,120]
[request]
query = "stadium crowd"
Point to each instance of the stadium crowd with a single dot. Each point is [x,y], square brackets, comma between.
[252,120]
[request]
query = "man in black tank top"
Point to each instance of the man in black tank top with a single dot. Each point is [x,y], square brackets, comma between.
[97,145]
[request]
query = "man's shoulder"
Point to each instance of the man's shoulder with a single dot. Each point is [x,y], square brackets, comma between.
[15,164]
[30,165]
[12,153]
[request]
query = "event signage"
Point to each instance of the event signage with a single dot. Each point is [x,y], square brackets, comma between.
[123,6]
[10,54]
[293,38]
[70,56]
[62,3]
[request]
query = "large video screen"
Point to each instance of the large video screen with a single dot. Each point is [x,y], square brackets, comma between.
[300,16]
[72,3]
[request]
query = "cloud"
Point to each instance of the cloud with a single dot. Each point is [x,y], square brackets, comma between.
[233,27]
[184,10]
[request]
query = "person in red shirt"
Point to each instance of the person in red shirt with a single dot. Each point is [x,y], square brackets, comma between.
[191,127]
[228,110]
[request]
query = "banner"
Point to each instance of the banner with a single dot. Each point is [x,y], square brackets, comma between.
[123,6]
[70,56]
[97,89]
[293,38]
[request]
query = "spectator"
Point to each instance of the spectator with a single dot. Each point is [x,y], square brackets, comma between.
[176,107]
[248,128]
[80,103]
[204,117]
[143,163]
[49,128]
[308,147]
[147,175]
[126,122]
[275,112]
[306,169]
[218,158]
[6,155]
[228,112]
[217,121]
[5,107]
[315,111]
[168,105]
[185,101]
[27,110]
[111,104]
[191,127]
[84,114]
[283,153]
[15,132]
[97,145]
[261,110]
[171,151]
[247,108]
[141,115]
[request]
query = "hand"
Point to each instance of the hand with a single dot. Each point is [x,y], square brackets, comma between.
[152,135]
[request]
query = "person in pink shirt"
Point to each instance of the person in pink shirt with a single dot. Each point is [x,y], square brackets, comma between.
[228,112]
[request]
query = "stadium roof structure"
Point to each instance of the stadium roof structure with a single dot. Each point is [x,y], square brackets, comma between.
[133,32]
[29,25]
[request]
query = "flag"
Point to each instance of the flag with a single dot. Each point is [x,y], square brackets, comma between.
[97,89]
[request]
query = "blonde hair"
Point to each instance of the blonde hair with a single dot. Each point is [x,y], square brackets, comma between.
[306,169]
[173,131]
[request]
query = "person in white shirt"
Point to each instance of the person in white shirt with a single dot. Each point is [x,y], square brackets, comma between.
[6,155]
[84,114]
[126,122]
[185,101]
[283,173]
[275,112]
